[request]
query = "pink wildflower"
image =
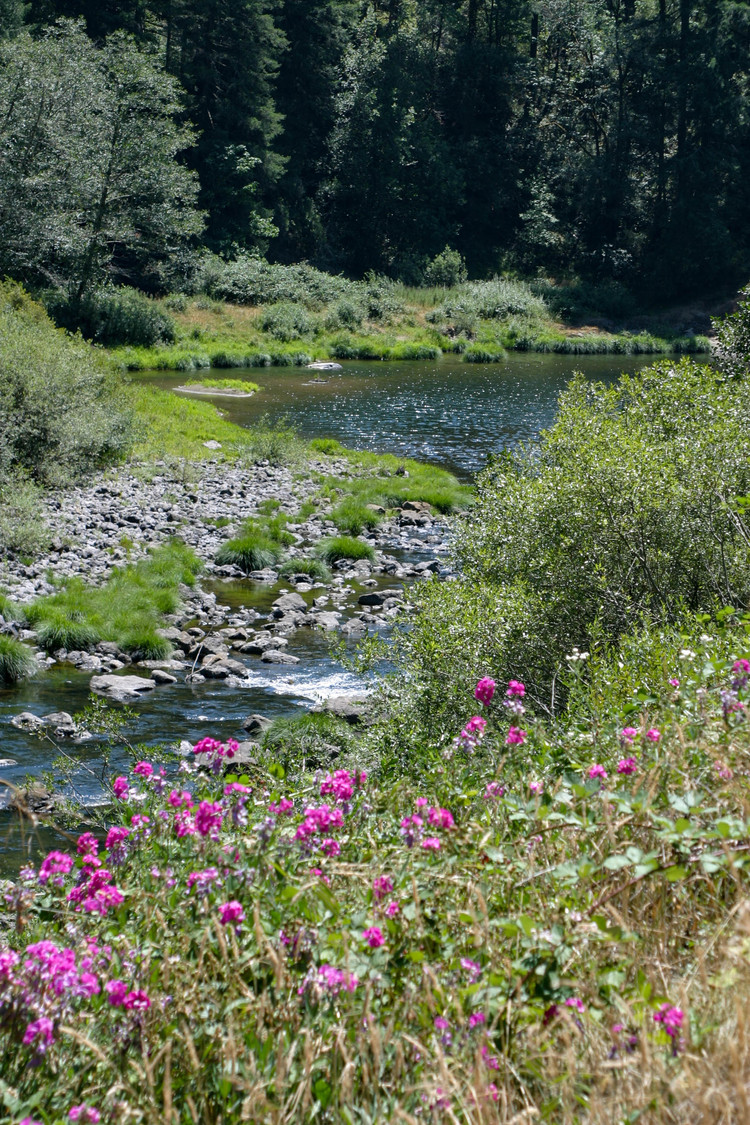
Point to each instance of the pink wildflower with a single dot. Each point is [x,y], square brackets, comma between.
[382,886]
[120,788]
[628,734]
[441,1023]
[741,666]
[374,937]
[392,909]
[84,1115]
[116,991]
[441,818]
[208,818]
[283,806]
[674,683]
[536,787]
[653,735]
[485,690]
[476,725]
[87,844]
[574,1002]
[597,770]
[136,1001]
[56,863]
[516,689]
[143,769]
[116,836]
[177,799]
[39,1034]
[230,912]
[516,737]
[670,1018]
[723,771]
[627,766]
[431,843]
[476,1018]
[493,791]
[331,847]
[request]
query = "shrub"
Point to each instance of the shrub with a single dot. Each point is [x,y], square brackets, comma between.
[17,661]
[61,407]
[23,526]
[352,516]
[252,281]
[112,317]
[328,446]
[344,547]
[447,268]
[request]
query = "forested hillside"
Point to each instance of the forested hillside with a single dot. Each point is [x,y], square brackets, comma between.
[606,139]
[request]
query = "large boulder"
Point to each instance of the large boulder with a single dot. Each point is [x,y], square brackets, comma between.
[352,708]
[122,689]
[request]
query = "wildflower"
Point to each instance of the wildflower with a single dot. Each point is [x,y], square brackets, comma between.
[85,1115]
[392,909]
[490,1060]
[476,1018]
[516,737]
[116,991]
[329,979]
[120,788]
[536,787]
[674,683]
[627,766]
[179,799]
[516,688]
[492,1092]
[136,1001]
[723,771]
[597,770]
[208,818]
[319,819]
[493,791]
[653,735]
[143,769]
[374,937]
[115,837]
[39,1033]
[202,879]
[341,785]
[421,802]
[87,844]
[741,666]
[485,690]
[574,1002]
[283,806]
[476,725]
[331,847]
[230,912]
[471,967]
[236,787]
[472,734]
[431,843]
[628,734]
[55,863]
[440,818]
[441,1023]
[670,1018]
[382,886]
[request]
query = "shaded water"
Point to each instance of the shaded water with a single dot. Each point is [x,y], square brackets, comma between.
[446,412]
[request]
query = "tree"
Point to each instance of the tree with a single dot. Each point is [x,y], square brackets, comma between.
[90,185]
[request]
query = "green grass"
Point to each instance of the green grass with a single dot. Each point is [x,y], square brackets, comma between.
[253,550]
[17,661]
[344,547]
[226,385]
[352,516]
[383,482]
[314,568]
[128,609]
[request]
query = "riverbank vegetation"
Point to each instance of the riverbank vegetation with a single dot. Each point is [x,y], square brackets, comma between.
[522,892]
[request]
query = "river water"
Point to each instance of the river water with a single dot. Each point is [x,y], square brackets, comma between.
[448,413]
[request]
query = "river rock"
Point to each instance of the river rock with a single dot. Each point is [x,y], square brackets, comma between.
[273,656]
[288,603]
[61,722]
[355,629]
[123,689]
[27,721]
[256,724]
[371,599]
[416,506]
[159,676]
[245,755]
[261,643]
[323,365]
[351,708]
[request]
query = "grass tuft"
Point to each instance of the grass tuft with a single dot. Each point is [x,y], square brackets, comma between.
[17,661]
[344,547]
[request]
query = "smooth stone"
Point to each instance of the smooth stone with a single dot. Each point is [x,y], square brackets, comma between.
[27,721]
[371,599]
[327,621]
[355,630]
[289,602]
[159,676]
[273,656]
[348,707]
[254,724]
[61,721]
[123,689]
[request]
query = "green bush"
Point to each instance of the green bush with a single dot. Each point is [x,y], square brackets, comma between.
[112,317]
[287,321]
[17,661]
[61,407]
[23,527]
[447,268]
[313,568]
[344,547]
[252,281]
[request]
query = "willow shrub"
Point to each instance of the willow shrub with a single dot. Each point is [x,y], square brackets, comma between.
[548,925]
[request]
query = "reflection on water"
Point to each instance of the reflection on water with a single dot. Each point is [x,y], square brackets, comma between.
[447,412]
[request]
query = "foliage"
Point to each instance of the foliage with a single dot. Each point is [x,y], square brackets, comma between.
[61,410]
[88,159]
[315,570]
[112,317]
[528,913]
[286,321]
[733,340]
[17,661]
[344,547]
[128,609]
[447,269]
[253,550]
[24,529]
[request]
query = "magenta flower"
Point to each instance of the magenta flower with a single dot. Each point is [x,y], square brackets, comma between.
[143,769]
[516,689]
[485,690]
[282,807]
[341,785]
[382,886]
[441,1024]
[87,844]
[627,766]
[392,909]
[597,770]
[653,735]
[39,1033]
[670,1018]
[120,788]
[115,837]
[741,666]
[723,771]
[476,1018]
[331,847]
[116,991]
[431,844]
[675,683]
[374,937]
[473,968]
[85,1115]
[179,799]
[440,818]
[476,725]
[536,787]
[516,737]
[136,1001]
[56,863]
[231,912]
[628,734]
[208,818]
[493,791]
[574,1002]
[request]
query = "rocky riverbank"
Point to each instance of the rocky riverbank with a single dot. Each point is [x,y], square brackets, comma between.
[118,516]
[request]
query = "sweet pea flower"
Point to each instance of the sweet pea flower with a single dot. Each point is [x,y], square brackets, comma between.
[627,766]
[536,787]
[597,770]
[516,689]
[441,1024]
[230,912]
[55,863]
[143,769]
[374,937]
[674,683]
[116,991]
[723,771]
[476,1018]
[653,735]
[670,1018]
[85,1115]
[39,1033]
[628,734]
[741,666]
[431,843]
[485,690]
[382,886]
[136,1001]
[392,909]
[493,791]
[120,788]
[516,737]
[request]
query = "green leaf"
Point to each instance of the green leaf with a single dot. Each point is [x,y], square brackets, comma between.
[616,862]
[675,873]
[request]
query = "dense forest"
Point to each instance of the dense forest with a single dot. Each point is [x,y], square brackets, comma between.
[602,139]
